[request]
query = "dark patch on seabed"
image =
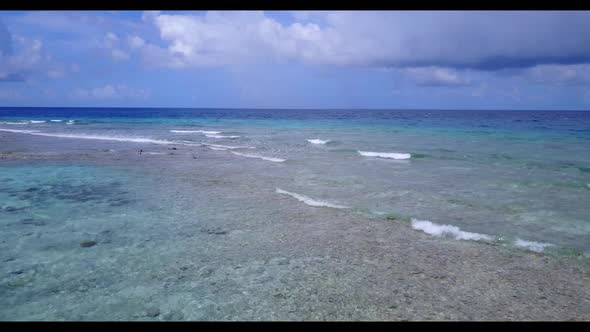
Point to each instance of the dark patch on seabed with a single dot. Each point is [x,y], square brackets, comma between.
[111,194]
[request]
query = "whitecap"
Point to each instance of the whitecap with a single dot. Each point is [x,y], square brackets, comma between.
[184,142]
[56,120]
[276,160]
[38,121]
[15,123]
[19,131]
[71,122]
[195,131]
[532,245]
[389,155]
[216,149]
[447,230]
[310,201]
[228,147]
[318,141]
[93,137]
[221,136]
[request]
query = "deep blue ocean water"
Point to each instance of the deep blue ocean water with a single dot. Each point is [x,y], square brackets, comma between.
[576,122]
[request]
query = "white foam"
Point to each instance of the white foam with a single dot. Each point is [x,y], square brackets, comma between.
[390,155]
[318,141]
[14,123]
[71,122]
[310,201]
[56,120]
[154,152]
[109,138]
[19,131]
[38,121]
[228,147]
[195,131]
[94,137]
[183,142]
[276,160]
[531,245]
[221,136]
[216,149]
[447,230]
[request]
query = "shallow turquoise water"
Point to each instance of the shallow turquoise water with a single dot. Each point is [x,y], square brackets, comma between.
[516,175]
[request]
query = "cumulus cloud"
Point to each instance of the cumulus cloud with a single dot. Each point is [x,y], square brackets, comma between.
[27,56]
[22,57]
[113,46]
[136,42]
[478,40]
[232,38]
[59,71]
[117,91]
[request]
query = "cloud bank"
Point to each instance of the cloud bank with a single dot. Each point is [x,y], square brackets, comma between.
[459,40]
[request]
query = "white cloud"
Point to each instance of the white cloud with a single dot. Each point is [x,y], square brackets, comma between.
[435,76]
[560,74]
[136,42]
[119,55]
[27,56]
[109,91]
[22,57]
[114,46]
[111,38]
[233,38]
[480,40]
[60,71]
[149,15]
[56,73]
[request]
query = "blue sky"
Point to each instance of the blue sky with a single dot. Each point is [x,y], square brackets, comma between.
[473,60]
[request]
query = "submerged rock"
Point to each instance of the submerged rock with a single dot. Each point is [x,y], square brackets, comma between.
[86,244]
[152,312]
[206,272]
[281,261]
[13,209]
[174,316]
[31,221]
[215,231]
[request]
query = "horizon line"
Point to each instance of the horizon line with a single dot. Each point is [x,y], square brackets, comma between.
[306,109]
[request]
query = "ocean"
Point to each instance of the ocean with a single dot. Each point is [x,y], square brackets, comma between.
[147,179]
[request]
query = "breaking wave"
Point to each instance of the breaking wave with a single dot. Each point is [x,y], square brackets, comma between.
[276,160]
[310,201]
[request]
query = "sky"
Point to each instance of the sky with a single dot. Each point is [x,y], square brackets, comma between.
[296,59]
